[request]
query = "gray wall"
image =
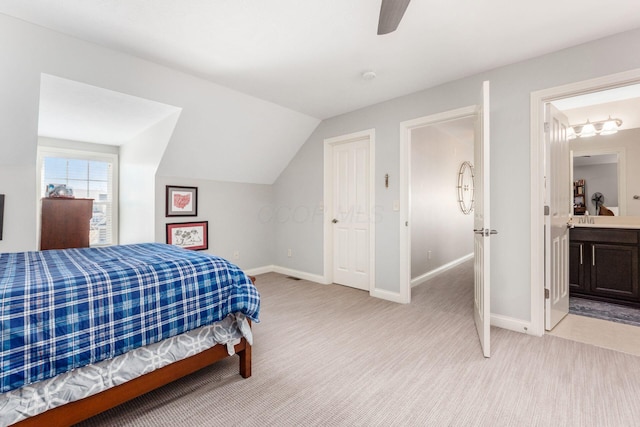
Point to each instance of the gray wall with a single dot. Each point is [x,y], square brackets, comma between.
[236,218]
[440,232]
[28,50]
[511,86]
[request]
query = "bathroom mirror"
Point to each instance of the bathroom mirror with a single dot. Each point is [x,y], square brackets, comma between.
[603,171]
[466,182]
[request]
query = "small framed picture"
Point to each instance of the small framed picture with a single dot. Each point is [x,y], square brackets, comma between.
[189,235]
[182,201]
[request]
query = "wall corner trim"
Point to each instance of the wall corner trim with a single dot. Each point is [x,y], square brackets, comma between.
[388,295]
[512,324]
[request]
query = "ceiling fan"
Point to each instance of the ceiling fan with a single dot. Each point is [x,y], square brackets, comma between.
[391,13]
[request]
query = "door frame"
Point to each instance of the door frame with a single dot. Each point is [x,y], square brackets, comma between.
[405,187]
[327,207]
[538,245]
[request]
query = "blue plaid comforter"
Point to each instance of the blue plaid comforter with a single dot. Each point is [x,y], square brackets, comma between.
[62,309]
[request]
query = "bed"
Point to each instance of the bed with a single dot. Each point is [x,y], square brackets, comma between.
[83,330]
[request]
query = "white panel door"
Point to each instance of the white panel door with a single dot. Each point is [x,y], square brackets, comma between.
[482,227]
[351,219]
[559,199]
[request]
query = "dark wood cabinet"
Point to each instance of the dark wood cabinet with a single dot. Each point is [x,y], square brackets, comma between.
[65,223]
[604,264]
[577,282]
[614,271]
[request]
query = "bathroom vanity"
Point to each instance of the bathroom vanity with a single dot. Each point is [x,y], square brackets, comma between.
[603,260]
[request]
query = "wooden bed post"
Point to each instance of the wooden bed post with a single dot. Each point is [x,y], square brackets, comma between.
[245,361]
[245,355]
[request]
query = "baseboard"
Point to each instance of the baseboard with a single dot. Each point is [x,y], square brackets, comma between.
[511,323]
[259,270]
[387,295]
[433,273]
[287,272]
[300,274]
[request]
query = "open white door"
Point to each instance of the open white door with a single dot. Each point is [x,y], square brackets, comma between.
[482,227]
[559,200]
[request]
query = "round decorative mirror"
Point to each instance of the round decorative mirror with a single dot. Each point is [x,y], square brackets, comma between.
[466,181]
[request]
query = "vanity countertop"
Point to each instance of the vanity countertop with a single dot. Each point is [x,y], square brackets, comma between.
[606,221]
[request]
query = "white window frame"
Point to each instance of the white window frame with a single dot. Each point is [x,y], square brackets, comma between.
[83,154]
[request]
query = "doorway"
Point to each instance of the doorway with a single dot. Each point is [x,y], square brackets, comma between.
[441,230]
[482,230]
[561,97]
[415,136]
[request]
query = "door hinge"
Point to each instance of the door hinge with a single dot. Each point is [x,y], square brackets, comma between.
[546,293]
[546,127]
[546,210]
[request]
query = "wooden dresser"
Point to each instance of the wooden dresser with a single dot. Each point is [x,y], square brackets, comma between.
[65,223]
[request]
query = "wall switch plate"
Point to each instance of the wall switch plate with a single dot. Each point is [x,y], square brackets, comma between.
[289,253]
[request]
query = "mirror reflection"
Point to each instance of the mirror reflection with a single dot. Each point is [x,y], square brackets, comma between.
[603,169]
[595,184]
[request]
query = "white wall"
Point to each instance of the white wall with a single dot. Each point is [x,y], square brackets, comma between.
[440,232]
[222,135]
[139,160]
[511,86]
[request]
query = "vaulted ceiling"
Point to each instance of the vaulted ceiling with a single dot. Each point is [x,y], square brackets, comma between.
[310,55]
[271,70]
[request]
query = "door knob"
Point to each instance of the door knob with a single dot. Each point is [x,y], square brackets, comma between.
[335,221]
[485,231]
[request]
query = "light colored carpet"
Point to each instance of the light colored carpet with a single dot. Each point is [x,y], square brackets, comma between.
[333,356]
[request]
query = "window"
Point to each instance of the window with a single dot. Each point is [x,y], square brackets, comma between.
[90,176]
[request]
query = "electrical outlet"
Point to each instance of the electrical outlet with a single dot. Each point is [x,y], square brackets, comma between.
[289,253]
[236,254]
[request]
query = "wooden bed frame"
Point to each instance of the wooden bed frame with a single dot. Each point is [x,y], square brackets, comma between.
[80,410]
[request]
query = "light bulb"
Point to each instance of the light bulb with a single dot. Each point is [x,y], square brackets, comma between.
[609,127]
[588,130]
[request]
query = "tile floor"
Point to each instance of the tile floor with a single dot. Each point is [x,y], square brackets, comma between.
[601,333]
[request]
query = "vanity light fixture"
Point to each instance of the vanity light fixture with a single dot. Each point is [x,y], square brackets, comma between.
[602,127]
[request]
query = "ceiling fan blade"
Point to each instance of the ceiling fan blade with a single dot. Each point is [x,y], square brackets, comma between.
[391,12]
